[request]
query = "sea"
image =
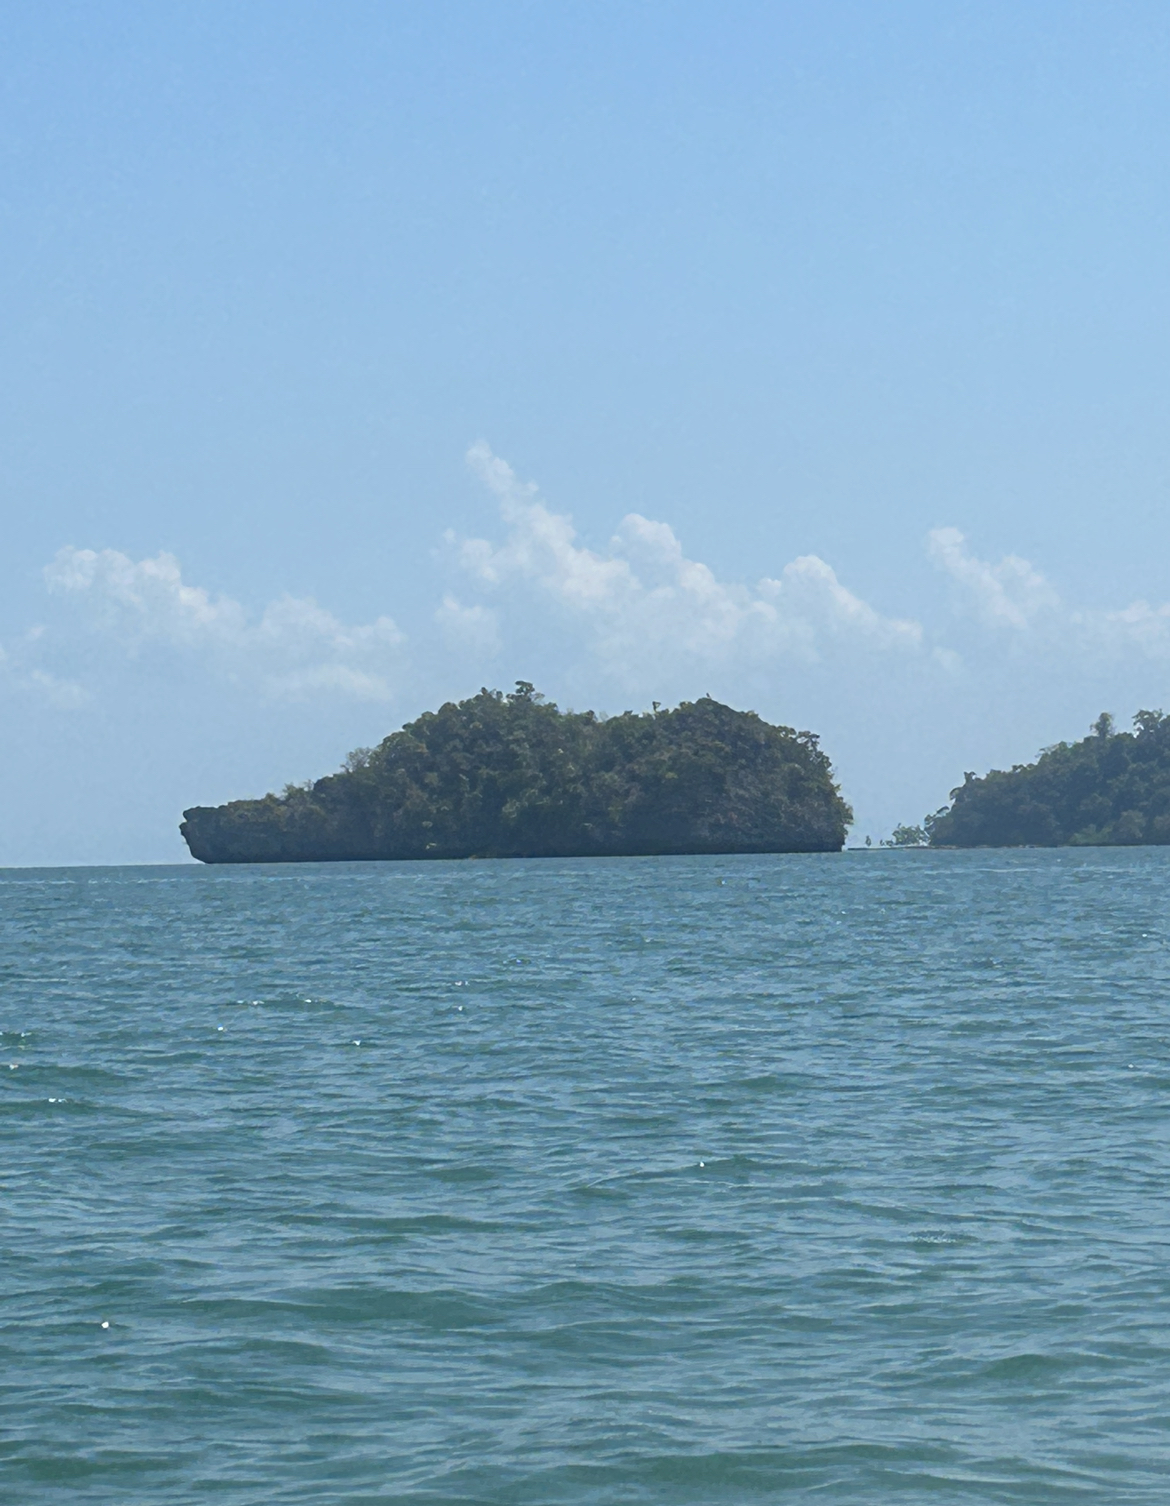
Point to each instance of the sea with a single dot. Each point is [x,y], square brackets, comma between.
[824,1178]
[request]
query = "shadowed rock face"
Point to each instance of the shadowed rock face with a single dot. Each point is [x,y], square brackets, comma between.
[511,776]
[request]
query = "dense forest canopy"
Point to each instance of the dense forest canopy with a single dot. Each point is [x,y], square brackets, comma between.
[1110,789]
[512,776]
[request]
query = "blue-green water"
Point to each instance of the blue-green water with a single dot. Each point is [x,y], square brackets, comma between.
[825,1179]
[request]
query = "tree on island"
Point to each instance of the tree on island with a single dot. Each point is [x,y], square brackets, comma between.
[1110,789]
[513,776]
[907,836]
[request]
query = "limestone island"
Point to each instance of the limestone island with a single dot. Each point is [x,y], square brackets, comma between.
[1111,789]
[512,776]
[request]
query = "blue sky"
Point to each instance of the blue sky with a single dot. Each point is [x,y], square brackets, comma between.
[774,302]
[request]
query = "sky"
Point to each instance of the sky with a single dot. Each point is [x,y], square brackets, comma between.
[357,355]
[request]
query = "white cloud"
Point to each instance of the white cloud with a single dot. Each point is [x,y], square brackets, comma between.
[643,606]
[143,600]
[639,615]
[1011,594]
[295,649]
[52,690]
[810,589]
[473,631]
[644,601]
[1015,596]
[66,695]
[1139,626]
[541,545]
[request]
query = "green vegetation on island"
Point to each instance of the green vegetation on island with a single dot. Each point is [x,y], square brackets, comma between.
[1110,789]
[907,836]
[512,776]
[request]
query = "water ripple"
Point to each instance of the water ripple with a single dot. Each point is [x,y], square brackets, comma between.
[673,1181]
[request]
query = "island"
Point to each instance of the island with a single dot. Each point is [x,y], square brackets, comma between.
[1110,789]
[511,776]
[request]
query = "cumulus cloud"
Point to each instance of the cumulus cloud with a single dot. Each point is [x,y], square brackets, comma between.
[469,630]
[65,695]
[137,601]
[639,615]
[644,599]
[19,672]
[294,649]
[1138,625]
[1010,594]
[1014,596]
[643,604]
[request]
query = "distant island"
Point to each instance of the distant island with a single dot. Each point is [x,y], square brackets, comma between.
[1110,789]
[512,776]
